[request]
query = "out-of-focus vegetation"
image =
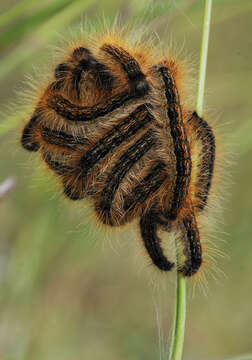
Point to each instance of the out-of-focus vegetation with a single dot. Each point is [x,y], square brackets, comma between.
[65,293]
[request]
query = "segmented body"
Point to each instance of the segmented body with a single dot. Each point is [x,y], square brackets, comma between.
[112,127]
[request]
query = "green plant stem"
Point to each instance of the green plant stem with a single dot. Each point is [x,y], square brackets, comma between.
[203,58]
[177,340]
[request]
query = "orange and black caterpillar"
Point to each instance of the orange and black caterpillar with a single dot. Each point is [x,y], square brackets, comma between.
[112,126]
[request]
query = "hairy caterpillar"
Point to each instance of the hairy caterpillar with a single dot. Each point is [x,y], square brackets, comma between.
[113,126]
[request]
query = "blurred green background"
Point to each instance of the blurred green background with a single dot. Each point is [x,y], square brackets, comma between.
[69,291]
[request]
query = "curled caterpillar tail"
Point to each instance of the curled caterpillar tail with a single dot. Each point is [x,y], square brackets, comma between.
[149,223]
[190,240]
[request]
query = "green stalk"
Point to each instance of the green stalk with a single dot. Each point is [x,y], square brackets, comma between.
[203,58]
[177,340]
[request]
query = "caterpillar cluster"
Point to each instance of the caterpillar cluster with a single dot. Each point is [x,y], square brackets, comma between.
[112,126]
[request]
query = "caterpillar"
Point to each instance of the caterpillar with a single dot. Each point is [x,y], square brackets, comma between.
[112,125]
